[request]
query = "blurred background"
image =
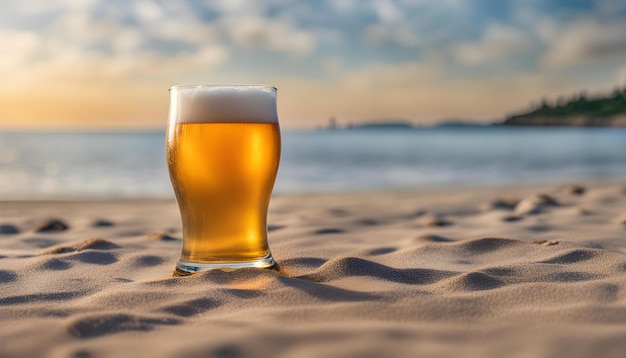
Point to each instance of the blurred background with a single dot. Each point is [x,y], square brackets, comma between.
[373,94]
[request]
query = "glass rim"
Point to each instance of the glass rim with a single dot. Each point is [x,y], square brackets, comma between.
[223,85]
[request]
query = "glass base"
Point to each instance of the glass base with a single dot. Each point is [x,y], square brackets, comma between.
[186,268]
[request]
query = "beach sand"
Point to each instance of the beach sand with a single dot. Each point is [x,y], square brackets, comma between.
[499,272]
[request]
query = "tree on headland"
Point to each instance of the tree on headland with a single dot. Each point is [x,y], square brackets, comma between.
[579,110]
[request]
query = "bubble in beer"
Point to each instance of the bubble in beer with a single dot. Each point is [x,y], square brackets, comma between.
[224,104]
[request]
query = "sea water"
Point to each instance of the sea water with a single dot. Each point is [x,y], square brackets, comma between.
[132,164]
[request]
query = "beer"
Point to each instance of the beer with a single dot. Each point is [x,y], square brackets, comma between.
[223,150]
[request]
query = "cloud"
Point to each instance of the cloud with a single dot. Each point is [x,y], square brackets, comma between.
[247,7]
[498,43]
[184,32]
[411,24]
[148,10]
[386,10]
[79,67]
[245,23]
[275,35]
[78,47]
[396,33]
[17,48]
[584,41]
[609,7]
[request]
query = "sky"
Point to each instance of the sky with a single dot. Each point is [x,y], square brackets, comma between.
[105,64]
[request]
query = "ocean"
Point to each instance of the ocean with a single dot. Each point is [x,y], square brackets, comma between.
[101,165]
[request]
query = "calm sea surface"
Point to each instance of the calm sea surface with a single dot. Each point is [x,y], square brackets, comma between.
[105,165]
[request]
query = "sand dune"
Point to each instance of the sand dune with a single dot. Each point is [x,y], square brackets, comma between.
[515,272]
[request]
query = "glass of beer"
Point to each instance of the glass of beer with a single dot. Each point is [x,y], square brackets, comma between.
[223,150]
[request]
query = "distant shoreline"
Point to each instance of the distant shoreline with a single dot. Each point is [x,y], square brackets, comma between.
[548,122]
[580,110]
[572,121]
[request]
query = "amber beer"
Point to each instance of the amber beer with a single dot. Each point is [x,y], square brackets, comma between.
[223,150]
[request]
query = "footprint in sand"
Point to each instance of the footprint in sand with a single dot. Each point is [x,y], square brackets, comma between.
[368,222]
[6,229]
[52,225]
[380,251]
[40,242]
[7,276]
[192,308]
[41,297]
[146,261]
[56,265]
[503,203]
[431,238]
[102,223]
[95,257]
[328,231]
[100,325]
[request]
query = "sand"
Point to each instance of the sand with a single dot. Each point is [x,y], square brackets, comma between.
[504,272]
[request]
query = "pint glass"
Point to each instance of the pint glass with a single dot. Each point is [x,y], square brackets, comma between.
[223,150]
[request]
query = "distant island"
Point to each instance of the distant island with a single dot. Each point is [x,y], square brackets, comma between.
[578,111]
[399,124]
[383,124]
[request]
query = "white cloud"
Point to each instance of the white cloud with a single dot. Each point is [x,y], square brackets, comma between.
[79,67]
[18,48]
[245,7]
[397,33]
[276,34]
[79,46]
[391,28]
[413,24]
[187,32]
[39,7]
[584,41]
[237,6]
[610,7]
[127,40]
[596,37]
[386,10]
[498,43]
[148,10]
[343,5]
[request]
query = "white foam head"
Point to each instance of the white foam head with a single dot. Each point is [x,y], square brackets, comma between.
[223,104]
